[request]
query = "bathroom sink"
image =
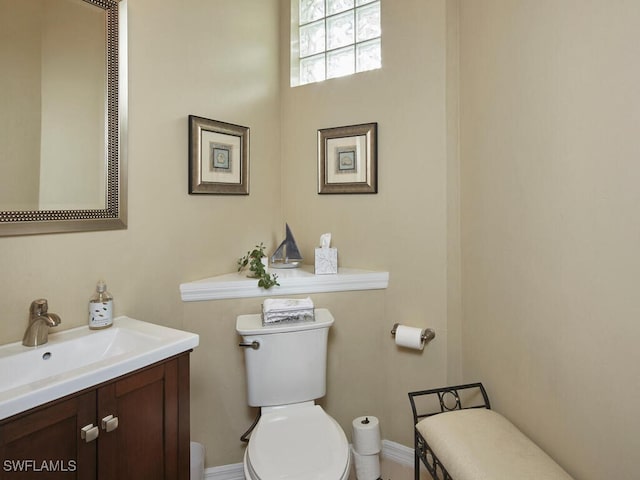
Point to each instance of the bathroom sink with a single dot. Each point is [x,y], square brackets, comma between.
[80,358]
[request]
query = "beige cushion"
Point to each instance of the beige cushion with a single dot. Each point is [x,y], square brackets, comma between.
[480,444]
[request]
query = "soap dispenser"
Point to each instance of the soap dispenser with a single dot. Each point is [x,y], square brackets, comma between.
[101,308]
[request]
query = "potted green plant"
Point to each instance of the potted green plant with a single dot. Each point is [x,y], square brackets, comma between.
[257,267]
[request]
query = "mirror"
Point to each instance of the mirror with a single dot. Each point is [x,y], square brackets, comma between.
[63,115]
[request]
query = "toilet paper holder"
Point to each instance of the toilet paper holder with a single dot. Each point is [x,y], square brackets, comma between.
[427,335]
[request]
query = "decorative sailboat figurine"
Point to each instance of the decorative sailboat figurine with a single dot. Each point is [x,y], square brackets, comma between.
[287,254]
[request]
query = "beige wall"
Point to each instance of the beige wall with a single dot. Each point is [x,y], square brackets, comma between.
[211,59]
[540,306]
[191,57]
[402,229]
[356,379]
[184,58]
[550,109]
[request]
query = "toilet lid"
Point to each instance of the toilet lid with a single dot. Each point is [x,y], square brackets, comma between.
[300,444]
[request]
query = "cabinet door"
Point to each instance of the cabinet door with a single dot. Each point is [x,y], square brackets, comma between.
[46,443]
[149,442]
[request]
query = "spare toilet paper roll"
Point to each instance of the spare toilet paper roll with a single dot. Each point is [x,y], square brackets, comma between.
[366,435]
[409,337]
[367,466]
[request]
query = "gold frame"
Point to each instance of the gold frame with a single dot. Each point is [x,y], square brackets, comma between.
[230,137]
[348,159]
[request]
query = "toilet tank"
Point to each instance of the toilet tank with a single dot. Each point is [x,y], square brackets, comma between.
[290,364]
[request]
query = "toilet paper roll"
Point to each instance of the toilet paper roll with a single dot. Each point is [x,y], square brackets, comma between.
[366,435]
[367,466]
[197,461]
[409,337]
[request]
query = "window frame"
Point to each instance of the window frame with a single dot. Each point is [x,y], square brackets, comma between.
[296,59]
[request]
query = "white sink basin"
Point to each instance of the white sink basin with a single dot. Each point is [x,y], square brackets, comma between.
[80,358]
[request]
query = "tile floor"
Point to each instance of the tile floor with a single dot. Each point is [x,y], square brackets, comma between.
[393,471]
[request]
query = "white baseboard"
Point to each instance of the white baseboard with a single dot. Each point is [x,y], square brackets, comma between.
[397,453]
[392,451]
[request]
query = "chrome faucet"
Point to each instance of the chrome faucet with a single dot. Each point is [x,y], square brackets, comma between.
[40,321]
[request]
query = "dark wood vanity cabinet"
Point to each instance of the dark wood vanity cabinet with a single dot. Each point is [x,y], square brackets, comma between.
[45,442]
[142,425]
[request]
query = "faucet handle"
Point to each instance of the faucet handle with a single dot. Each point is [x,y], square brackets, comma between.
[39,307]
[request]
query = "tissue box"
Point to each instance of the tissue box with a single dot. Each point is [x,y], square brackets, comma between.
[326,261]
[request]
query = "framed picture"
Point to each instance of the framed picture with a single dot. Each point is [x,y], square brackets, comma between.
[348,159]
[218,157]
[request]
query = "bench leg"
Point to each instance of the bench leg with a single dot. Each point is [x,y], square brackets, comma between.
[416,461]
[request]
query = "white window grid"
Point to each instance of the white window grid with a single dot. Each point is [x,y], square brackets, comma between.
[353,50]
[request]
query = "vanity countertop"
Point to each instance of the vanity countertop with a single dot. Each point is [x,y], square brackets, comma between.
[79,358]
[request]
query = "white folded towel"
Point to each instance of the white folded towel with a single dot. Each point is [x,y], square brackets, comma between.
[287,310]
[286,304]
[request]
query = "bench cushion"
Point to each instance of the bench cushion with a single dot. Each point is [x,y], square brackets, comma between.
[480,444]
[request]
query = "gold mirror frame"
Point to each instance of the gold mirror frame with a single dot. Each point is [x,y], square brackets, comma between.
[114,216]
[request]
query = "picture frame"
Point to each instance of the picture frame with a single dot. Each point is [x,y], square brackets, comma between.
[218,157]
[348,159]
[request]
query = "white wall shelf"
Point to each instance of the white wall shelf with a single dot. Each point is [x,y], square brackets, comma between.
[292,282]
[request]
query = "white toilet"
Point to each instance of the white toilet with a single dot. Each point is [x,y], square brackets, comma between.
[286,371]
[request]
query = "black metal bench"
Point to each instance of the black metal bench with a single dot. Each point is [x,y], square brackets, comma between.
[424,404]
[455,426]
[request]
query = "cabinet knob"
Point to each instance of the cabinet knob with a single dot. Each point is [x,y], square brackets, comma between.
[89,433]
[109,423]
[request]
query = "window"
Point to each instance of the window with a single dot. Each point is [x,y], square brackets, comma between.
[334,38]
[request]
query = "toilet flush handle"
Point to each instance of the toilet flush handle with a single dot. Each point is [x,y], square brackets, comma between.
[255,345]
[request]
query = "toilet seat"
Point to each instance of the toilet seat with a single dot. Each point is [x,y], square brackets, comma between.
[297,444]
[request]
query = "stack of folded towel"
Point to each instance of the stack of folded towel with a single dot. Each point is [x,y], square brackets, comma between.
[285,310]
